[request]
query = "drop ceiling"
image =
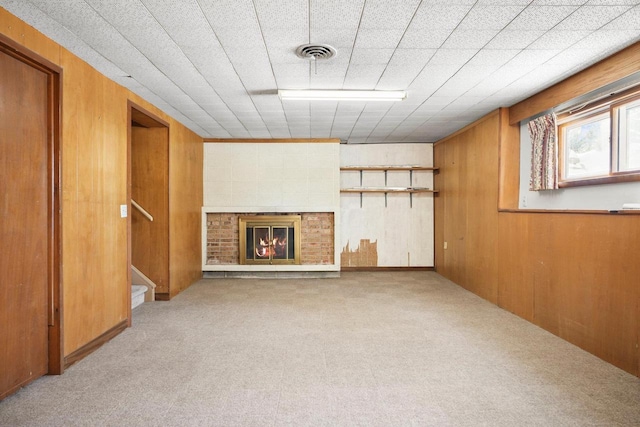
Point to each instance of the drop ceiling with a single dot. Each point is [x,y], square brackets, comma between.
[216,65]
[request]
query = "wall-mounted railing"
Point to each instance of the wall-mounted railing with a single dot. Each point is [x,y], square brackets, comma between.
[142,210]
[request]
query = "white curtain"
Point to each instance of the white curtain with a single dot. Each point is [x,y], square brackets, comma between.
[544,153]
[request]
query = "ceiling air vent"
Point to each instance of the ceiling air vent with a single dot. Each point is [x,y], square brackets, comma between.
[315,51]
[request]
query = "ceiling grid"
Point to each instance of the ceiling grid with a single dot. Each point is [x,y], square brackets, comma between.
[216,65]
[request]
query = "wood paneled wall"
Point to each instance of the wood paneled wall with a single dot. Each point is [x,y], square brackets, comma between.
[573,274]
[94,185]
[466,207]
[185,208]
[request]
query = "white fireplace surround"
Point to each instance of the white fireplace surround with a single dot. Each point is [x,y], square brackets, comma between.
[258,177]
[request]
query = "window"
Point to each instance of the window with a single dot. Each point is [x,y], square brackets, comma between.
[602,144]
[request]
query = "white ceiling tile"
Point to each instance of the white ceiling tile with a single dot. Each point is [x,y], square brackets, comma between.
[230,13]
[591,17]
[560,2]
[335,37]
[605,41]
[529,59]
[326,82]
[490,17]
[444,15]
[289,38]
[378,38]
[363,76]
[240,38]
[282,13]
[540,17]
[469,39]
[328,70]
[492,57]
[292,76]
[514,39]
[608,2]
[413,58]
[371,56]
[285,55]
[506,2]
[628,21]
[558,39]
[439,101]
[424,38]
[456,57]
[336,13]
[496,81]
[396,78]
[465,102]
[386,14]
[254,56]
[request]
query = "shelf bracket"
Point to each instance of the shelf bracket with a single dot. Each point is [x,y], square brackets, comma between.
[385,184]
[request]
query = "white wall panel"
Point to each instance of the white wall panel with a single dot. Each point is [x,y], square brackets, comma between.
[404,234]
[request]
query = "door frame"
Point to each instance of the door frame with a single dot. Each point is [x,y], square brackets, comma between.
[141,116]
[54,256]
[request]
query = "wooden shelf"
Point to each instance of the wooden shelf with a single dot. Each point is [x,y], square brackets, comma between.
[387,190]
[388,168]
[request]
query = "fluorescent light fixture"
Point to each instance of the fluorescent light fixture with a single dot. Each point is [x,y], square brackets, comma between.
[342,95]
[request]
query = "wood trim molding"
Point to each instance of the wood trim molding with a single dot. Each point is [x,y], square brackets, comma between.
[509,162]
[151,120]
[275,140]
[163,296]
[609,70]
[31,57]
[94,344]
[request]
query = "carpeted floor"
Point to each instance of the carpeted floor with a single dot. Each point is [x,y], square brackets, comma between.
[368,349]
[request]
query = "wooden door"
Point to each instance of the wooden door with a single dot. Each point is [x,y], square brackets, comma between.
[24,223]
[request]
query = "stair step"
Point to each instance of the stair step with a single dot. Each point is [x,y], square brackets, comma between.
[137,295]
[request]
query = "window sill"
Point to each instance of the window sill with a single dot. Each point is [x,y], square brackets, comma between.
[622,177]
[623,212]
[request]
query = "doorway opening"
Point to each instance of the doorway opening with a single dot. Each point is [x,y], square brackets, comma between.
[149,202]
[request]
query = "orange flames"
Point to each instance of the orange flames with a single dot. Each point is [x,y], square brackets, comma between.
[277,247]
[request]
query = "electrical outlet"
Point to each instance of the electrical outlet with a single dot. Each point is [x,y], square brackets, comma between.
[445,245]
[123,211]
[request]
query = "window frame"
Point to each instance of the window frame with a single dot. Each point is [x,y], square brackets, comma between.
[611,105]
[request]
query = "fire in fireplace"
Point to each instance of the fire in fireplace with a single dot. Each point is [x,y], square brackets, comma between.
[269,239]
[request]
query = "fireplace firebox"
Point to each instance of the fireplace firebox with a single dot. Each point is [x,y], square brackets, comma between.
[269,239]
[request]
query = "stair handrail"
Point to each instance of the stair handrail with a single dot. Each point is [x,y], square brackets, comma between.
[142,210]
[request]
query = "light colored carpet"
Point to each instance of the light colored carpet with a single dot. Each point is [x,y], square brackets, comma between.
[368,349]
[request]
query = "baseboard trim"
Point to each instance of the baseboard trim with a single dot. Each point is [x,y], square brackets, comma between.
[387,269]
[17,387]
[162,296]
[93,345]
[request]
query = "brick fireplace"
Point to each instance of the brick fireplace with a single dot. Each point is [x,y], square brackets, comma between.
[257,178]
[223,245]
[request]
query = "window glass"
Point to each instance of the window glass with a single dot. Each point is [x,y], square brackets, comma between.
[586,148]
[630,138]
